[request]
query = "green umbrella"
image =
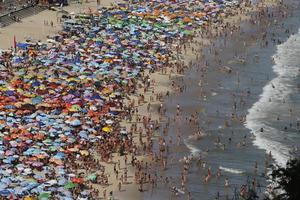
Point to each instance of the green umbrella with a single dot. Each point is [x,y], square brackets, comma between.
[119,25]
[44,195]
[53,148]
[70,185]
[186,32]
[48,141]
[91,177]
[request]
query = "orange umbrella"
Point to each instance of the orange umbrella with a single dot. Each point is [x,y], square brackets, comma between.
[186,20]
[56,161]
[39,136]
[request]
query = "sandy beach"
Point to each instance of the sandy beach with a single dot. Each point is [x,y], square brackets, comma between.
[34,27]
[158,116]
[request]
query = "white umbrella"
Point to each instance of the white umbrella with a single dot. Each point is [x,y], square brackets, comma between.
[109,121]
[51,182]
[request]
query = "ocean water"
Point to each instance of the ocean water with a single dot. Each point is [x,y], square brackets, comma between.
[278,109]
[271,75]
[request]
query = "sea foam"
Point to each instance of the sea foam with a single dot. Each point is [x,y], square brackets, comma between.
[286,68]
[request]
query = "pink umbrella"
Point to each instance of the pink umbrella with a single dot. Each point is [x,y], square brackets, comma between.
[37,164]
[9,153]
[67,97]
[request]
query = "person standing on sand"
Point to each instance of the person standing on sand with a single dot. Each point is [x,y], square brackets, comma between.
[104,193]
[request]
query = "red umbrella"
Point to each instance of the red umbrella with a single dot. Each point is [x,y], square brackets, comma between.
[77,180]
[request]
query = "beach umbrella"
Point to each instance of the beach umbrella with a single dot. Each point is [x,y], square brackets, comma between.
[84,153]
[37,100]
[28,198]
[76,180]
[75,108]
[37,164]
[51,182]
[44,195]
[83,134]
[61,181]
[5,193]
[9,153]
[56,161]
[27,171]
[47,142]
[59,155]
[106,129]
[91,177]
[74,122]
[8,160]
[70,185]
[109,121]
[30,186]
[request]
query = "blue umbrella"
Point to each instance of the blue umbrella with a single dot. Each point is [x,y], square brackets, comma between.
[62,181]
[59,155]
[9,160]
[10,107]
[31,151]
[10,92]
[75,122]
[37,100]
[5,193]
[2,82]
[2,186]
[35,84]
[6,181]
[22,45]
[95,96]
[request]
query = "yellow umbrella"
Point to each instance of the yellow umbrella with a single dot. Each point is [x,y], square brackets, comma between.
[42,87]
[106,129]
[29,95]
[51,91]
[106,90]
[40,76]
[29,76]
[44,105]
[51,79]
[84,153]
[72,79]
[28,198]
[3,88]
[112,95]
[20,90]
